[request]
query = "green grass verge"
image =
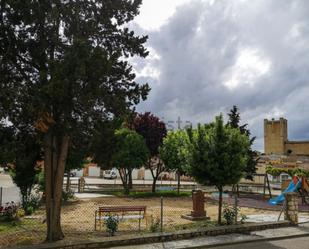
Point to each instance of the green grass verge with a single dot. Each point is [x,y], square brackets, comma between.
[7,227]
[193,225]
[163,193]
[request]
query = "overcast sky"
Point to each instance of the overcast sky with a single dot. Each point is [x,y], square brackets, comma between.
[206,56]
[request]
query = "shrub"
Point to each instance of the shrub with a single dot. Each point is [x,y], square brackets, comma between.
[8,212]
[229,214]
[20,213]
[154,225]
[67,195]
[111,224]
[32,204]
[243,218]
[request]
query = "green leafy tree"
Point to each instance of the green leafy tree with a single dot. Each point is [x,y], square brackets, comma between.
[64,66]
[174,152]
[218,156]
[6,145]
[130,153]
[234,122]
[27,154]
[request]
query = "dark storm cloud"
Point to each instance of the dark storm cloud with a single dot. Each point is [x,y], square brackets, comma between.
[262,45]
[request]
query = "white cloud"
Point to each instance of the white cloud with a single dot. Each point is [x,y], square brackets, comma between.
[154,13]
[249,66]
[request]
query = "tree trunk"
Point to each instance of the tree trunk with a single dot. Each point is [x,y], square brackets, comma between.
[178,184]
[153,188]
[130,179]
[68,182]
[220,205]
[124,178]
[55,155]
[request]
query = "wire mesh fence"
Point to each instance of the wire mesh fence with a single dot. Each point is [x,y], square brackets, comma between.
[85,217]
[80,219]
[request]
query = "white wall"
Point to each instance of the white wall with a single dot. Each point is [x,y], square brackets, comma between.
[94,171]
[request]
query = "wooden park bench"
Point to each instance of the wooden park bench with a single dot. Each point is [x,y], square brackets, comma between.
[123,213]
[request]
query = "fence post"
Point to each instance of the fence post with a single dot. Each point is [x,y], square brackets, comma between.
[161,214]
[1,196]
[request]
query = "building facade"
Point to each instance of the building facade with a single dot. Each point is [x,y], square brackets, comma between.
[276,139]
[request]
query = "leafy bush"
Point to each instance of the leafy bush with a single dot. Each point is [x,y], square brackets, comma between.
[111,224]
[229,214]
[243,217]
[290,171]
[67,195]
[32,204]
[20,213]
[8,212]
[154,225]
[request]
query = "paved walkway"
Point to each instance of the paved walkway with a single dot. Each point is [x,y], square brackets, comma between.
[232,241]
[257,201]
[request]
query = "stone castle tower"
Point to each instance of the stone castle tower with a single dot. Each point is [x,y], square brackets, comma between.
[275,136]
[276,139]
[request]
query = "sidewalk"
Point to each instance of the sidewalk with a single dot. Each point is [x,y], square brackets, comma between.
[211,241]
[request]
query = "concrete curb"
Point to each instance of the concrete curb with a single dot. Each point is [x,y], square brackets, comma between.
[159,237]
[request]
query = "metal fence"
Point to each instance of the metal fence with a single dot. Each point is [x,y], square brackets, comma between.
[80,219]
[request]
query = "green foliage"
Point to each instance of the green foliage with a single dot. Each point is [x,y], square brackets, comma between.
[154,225]
[130,153]
[26,154]
[6,145]
[67,195]
[234,122]
[64,67]
[218,155]
[32,204]
[229,214]
[103,141]
[111,224]
[175,150]
[290,171]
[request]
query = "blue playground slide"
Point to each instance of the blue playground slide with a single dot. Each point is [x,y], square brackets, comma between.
[291,188]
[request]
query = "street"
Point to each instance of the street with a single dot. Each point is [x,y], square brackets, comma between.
[296,243]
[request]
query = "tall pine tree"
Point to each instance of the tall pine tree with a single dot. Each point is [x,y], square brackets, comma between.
[64,66]
[234,122]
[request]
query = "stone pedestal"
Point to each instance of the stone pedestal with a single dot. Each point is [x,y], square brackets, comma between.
[291,208]
[198,212]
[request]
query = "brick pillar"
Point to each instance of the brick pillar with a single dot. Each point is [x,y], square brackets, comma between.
[291,208]
[198,204]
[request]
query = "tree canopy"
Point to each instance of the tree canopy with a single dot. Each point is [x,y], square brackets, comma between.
[130,153]
[218,155]
[234,122]
[174,152]
[153,131]
[64,66]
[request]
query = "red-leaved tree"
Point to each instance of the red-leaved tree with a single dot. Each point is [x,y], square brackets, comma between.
[153,130]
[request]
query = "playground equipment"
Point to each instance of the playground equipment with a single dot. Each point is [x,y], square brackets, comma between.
[245,186]
[299,185]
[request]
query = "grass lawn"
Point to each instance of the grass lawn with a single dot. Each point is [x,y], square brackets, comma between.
[24,232]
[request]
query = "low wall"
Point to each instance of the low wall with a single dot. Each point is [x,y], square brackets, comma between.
[160,237]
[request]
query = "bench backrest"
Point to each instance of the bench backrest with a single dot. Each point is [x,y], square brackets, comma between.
[109,209]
